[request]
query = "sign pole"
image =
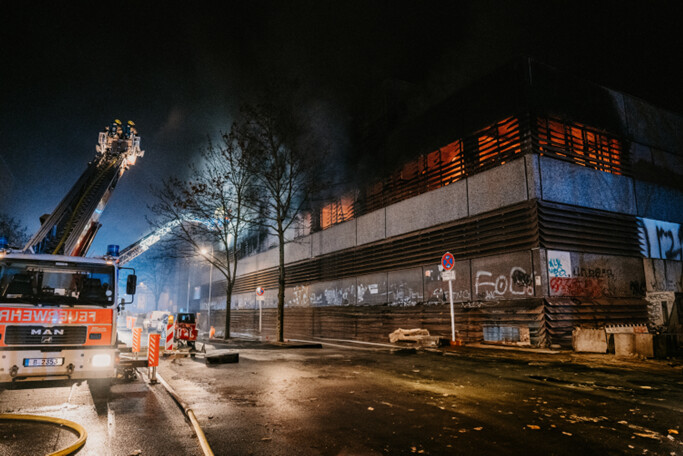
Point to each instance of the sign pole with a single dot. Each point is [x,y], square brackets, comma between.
[450,294]
[260,291]
[448,263]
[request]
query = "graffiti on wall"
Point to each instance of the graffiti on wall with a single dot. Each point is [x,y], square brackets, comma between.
[517,282]
[338,296]
[662,240]
[371,289]
[660,307]
[298,297]
[594,275]
[578,286]
[405,287]
[436,290]
[440,295]
[336,293]
[559,264]
[507,276]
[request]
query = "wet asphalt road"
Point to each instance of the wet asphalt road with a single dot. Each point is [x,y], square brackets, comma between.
[370,401]
[367,401]
[134,416]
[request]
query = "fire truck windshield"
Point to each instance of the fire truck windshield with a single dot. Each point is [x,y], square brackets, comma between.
[56,283]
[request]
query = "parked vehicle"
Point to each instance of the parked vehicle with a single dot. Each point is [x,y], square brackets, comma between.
[58,307]
[186,329]
[156,321]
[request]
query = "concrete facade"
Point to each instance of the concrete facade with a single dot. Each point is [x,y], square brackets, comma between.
[439,206]
[498,187]
[535,257]
[338,237]
[568,183]
[371,227]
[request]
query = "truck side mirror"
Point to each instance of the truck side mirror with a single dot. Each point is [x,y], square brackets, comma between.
[131,284]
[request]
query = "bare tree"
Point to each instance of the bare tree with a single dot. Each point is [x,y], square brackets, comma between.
[282,168]
[12,230]
[209,210]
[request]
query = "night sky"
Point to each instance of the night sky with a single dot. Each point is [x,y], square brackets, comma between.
[180,71]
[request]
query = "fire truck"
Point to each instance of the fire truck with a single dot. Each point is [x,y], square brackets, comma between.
[58,308]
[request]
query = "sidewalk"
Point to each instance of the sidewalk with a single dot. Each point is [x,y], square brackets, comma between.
[530,355]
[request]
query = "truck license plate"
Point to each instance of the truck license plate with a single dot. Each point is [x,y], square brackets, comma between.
[38,362]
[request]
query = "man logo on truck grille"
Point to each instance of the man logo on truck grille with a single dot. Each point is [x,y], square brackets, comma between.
[45,335]
[47,332]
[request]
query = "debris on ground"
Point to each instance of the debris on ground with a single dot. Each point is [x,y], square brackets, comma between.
[222,357]
[418,336]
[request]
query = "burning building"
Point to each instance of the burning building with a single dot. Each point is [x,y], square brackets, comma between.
[562,202]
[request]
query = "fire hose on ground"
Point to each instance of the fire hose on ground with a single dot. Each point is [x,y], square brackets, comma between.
[71,449]
[153,362]
[190,415]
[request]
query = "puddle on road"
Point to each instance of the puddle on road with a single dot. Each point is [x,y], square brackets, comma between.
[580,385]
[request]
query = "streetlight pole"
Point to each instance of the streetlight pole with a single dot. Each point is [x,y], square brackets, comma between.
[189,272]
[204,251]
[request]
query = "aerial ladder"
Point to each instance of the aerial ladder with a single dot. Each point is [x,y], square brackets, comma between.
[58,309]
[72,226]
[143,244]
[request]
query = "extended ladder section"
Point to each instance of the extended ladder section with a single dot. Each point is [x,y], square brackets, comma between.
[72,226]
[143,244]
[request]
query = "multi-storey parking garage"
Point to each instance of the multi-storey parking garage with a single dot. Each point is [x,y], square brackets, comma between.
[562,202]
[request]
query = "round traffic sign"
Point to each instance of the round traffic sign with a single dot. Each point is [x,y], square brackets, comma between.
[260,291]
[447,261]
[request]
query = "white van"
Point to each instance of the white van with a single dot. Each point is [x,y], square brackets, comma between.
[156,321]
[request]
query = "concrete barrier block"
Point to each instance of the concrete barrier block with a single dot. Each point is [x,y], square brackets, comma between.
[644,345]
[624,344]
[589,340]
[222,357]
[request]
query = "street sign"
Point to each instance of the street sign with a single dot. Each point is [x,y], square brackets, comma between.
[447,261]
[448,275]
[260,294]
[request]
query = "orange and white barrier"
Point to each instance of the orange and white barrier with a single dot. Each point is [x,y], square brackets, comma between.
[153,350]
[130,322]
[170,330]
[153,357]
[137,335]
